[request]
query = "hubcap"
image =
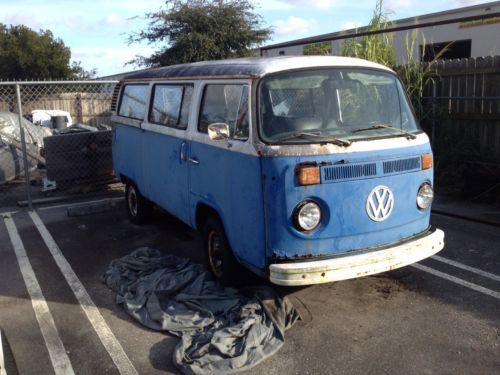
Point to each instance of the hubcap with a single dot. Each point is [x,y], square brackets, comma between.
[215,253]
[132,201]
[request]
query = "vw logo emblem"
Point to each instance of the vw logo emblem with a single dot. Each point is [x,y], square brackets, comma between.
[379,203]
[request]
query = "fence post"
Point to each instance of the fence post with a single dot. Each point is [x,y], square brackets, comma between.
[23,146]
[79,112]
[434,110]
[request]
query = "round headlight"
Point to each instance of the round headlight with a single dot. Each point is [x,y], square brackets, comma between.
[307,216]
[425,196]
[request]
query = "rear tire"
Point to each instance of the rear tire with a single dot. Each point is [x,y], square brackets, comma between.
[220,257]
[139,209]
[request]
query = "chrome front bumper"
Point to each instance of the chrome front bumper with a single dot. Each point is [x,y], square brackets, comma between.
[357,265]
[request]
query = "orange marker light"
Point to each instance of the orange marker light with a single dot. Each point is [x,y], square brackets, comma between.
[308,174]
[426,161]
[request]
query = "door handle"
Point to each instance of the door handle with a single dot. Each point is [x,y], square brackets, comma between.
[183,151]
[193,161]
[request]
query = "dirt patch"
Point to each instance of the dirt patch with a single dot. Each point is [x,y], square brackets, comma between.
[388,287]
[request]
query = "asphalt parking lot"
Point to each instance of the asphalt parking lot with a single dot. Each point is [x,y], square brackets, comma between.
[440,317]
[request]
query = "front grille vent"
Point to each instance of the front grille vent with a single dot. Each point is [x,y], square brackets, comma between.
[349,172]
[401,165]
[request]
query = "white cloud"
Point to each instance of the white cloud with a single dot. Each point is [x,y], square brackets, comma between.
[466,3]
[321,4]
[23,19]
[273,5]
[348,25]
[108,60]
[116,20]
[290,4]
[292,26]
[75,23]
[55,24]
[142,6]
[395,5]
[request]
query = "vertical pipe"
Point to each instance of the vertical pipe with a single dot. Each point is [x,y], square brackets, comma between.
[23,146]
[434,104]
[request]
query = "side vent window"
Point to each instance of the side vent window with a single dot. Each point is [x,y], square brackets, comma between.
[133,101]
[226,103]
[170,105]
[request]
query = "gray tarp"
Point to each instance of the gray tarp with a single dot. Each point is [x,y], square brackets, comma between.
[222,330]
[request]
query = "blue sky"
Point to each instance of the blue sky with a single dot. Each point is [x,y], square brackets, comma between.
[96,30]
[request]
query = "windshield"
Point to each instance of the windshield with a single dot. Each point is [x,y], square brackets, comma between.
[337,105]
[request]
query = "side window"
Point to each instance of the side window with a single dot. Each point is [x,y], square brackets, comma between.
[170,105]
[133,101]
[227,103]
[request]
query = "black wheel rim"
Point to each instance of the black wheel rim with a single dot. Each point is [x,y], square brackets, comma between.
[215,255]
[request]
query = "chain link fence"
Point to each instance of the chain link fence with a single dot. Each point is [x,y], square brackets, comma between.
[55,139]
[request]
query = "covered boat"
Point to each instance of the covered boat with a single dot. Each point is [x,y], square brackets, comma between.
[11,163]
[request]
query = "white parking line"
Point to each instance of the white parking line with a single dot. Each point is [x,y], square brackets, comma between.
[456,280]
[55,347]
[467,268]
[108,339]
[2,361]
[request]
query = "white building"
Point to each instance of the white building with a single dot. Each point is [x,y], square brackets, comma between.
[472,31]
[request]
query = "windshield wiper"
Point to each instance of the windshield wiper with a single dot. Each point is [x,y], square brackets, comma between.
[384,126]
[314,134]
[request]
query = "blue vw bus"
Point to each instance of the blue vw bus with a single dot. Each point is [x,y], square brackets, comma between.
[303,170]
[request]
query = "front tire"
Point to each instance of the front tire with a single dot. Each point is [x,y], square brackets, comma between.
[220,258]
[139,209]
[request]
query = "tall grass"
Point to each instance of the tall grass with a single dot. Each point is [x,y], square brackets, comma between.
[378,47]
[414,74]
[451,149]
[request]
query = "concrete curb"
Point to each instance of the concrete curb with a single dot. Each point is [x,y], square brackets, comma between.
[70,197]
[106,205]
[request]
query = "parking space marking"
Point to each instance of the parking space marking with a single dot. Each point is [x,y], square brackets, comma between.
[2,361]
[456,280]
[55,347]
[466,267]
[108,339]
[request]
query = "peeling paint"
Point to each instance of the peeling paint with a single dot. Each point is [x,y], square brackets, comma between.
[358,264]
[305,150]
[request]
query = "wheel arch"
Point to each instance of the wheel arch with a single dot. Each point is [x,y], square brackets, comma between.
[124,179]
[203,212]
[127,180]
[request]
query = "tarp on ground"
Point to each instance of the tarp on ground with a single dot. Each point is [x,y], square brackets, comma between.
[222,330]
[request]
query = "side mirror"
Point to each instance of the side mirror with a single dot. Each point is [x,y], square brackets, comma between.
[218,131]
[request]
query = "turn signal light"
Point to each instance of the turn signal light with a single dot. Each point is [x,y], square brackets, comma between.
[308,174]
[426,161]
